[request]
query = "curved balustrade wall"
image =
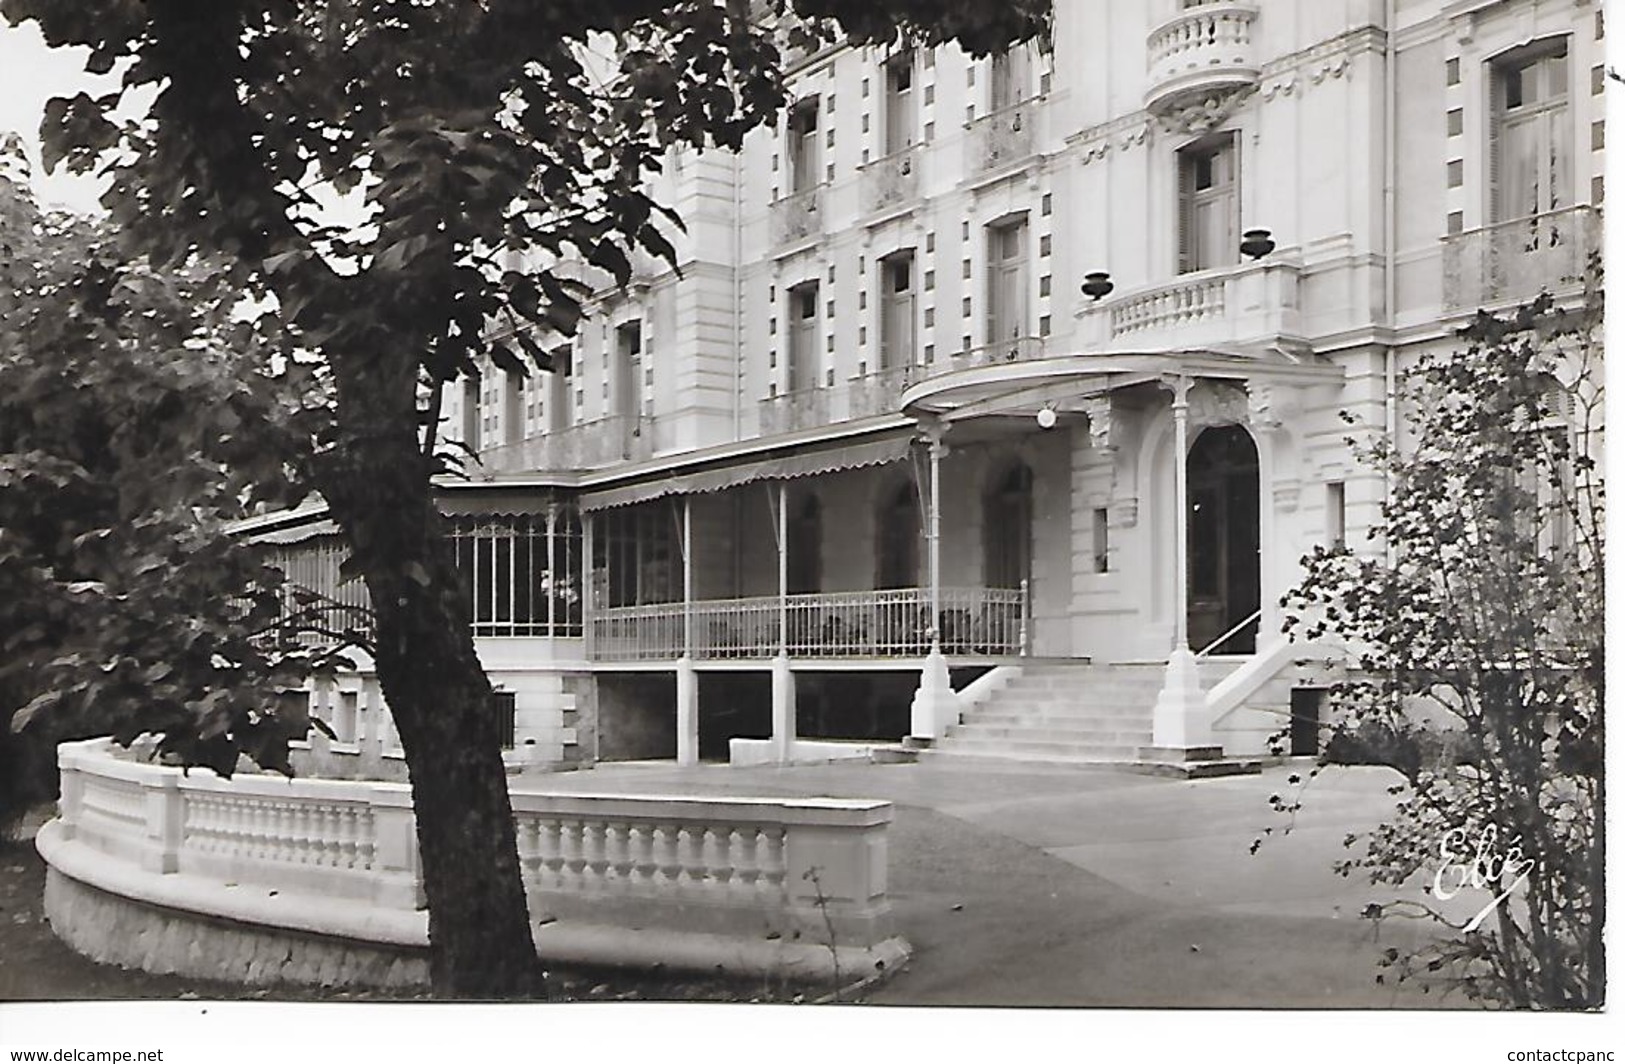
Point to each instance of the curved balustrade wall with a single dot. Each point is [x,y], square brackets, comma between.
[264,879]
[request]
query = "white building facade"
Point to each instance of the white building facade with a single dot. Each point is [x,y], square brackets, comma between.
[897,450]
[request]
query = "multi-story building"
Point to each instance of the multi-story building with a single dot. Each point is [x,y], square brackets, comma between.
[895,451]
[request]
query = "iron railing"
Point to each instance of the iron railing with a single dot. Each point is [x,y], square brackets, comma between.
[1514,261]
[845,624]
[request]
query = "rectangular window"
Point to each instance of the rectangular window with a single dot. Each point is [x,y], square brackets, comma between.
[803,353]
[1008,79]
[1209,206]
[629,370]
[900,103]
[1336,516]
[897,310]
[504,707]
[1007,282]
[802,150]
[1531,143]
[1102,544]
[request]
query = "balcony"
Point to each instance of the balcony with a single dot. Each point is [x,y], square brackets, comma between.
[798,217]
[1020,349]
[845,624]
[585,446]
[1002,139]
[1512,262]
[872,396]
[891,181]
[1232,305]
[1204,50]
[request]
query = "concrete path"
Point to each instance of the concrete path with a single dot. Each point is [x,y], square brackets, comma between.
[1032,885]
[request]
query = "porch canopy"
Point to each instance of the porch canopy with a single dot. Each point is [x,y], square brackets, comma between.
[785,467]
[1060,382]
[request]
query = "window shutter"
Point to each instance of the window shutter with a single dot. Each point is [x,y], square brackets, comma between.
[1187,196]
[1498,212]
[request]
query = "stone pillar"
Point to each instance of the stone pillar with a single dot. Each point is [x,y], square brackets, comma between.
[784,709]
[688,713]
[1179,724]
[397,883]
[371,739]
[165,820]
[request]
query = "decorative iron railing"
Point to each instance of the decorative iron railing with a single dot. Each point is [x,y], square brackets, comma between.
[851,624]
[891,180]
[1514,261]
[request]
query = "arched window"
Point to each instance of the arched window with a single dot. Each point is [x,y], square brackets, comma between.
[897,538]
[1007,528]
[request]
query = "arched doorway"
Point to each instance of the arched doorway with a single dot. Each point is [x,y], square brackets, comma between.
[1222,472]
[897,538]
[1007,528]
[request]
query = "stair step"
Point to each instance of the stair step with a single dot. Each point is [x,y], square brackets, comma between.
[1140,736]
[1006,718]
[1096,751]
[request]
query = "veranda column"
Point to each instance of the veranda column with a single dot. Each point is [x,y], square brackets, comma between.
[688,682]
[935,705]
[784,681]
[587,603]
[552,577]
[1179,723]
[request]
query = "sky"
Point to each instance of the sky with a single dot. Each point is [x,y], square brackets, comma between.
[30,74]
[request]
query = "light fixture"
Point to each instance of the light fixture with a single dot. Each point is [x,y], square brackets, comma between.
[1097,285]
[1046,416]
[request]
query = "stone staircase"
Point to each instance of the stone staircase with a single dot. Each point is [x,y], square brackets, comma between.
[1081,714]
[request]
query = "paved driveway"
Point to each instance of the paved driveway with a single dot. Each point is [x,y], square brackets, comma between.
[1029,885]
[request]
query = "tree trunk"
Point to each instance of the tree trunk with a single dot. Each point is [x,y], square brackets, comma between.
[376,485]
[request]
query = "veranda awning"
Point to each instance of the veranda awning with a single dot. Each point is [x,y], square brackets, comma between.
[788,467]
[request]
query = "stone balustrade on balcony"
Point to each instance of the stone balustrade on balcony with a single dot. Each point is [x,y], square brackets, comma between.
[891,181]
[1229,306]
[1203,50]
[585,446]
[798,217]
[1002,139]
[1511,262]
[874,395]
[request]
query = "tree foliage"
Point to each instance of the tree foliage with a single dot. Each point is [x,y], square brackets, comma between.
[469,134]
[134,424]
[1478,654]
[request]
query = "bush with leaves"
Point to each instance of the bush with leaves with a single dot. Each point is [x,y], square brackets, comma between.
[1476,648]
[135,424]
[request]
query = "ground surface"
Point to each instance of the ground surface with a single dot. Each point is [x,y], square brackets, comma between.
[1016,885]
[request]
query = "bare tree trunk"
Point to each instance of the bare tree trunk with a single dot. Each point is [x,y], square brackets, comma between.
[377,488]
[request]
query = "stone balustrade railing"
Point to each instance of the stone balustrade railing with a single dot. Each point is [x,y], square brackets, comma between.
[1204,48]
[1228,306]
[743,884]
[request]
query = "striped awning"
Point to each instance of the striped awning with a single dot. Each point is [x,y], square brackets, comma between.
[787,467]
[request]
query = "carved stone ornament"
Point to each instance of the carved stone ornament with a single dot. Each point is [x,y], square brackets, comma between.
[1124,513]
[1105,430]
[1270,406]
[1205,114]
[1213,403]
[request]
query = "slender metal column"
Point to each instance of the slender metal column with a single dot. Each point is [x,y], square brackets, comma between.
[688,575]
[934,537]
[552,577]
[587,603]
[1182,406]
[782,531]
